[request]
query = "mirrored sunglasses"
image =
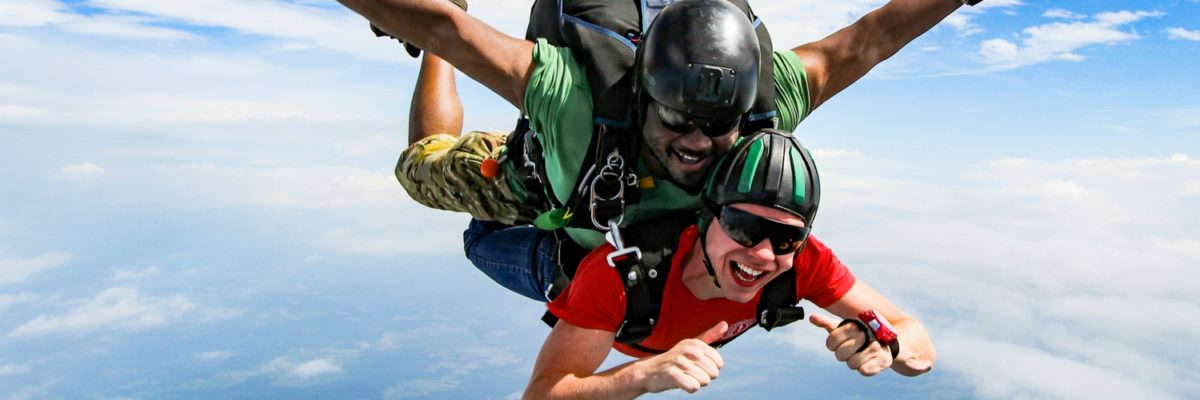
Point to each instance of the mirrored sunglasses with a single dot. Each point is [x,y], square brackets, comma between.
[679,122]
[748,229]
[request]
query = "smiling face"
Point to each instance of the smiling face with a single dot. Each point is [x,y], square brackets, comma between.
[743,271]
[684,157]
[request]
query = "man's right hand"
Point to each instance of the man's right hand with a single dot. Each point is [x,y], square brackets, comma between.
[690,365]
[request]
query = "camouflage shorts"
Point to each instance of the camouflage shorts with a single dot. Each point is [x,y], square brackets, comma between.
[442,172]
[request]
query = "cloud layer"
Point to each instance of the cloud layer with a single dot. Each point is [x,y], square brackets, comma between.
[1061,41]
[123,308]
[14,270]
[1023,268]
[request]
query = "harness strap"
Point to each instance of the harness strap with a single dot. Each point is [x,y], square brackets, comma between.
[777,305]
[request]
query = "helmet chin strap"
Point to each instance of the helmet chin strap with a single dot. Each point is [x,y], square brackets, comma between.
[712,273]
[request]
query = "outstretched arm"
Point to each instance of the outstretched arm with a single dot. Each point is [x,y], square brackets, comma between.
[835,62]
[500,62]
[568,360]
[916,349]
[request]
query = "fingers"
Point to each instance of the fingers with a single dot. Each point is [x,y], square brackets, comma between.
[713,334]
[846,348]
[703,375]
[701,353]
[708,337]
[685,381]
[822,321]
[845,334]
[690,365]
[870,362]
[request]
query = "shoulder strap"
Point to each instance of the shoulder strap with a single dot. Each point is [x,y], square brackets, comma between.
[645,281]
[602,35]
[644,276]
[777,305]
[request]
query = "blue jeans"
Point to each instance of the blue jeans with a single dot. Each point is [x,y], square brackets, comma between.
[520,258]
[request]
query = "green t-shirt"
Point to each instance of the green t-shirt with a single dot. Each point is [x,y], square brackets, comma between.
[558,100]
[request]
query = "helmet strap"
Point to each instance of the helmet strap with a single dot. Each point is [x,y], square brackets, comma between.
[712,273]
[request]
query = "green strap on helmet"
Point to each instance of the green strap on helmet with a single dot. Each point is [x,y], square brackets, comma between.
[769,168]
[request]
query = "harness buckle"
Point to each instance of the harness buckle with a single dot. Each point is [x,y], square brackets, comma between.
[621,255]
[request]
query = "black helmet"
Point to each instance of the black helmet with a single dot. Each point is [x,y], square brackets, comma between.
[700,57]
[769,168]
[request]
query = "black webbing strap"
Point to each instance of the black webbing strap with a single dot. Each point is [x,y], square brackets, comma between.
[659,240]
[640,308]
[777,305]
[524,152]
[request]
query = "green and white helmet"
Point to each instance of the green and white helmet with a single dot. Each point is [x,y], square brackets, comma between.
[768,168]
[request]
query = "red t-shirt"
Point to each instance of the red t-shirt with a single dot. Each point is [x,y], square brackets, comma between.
[595,299]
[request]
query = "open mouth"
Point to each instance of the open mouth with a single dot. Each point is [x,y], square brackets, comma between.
[743,275]
[687,157]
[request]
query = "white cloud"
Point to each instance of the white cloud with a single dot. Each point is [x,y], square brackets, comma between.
[31,12]
[271,187]
[13,270]
[125,26]
[1181,33]
[121,308]
[10,369]
[334,29]
[1023,268]
[1061,13]
[796,22]
[301,26]
[19,113]
[1000,370]
[420,388]
[464,360]
[124,275]
[287,371]
[963,21]
[214,355]
[9,300]
[1060,40]
[312,368]
[81,171]
[425,232]
[49,12]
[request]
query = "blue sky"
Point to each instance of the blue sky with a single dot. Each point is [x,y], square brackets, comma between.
[198,203]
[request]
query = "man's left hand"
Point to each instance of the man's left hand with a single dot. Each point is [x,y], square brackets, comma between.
[844,341]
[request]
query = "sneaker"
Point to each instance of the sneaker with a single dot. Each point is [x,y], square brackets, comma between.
[413,50]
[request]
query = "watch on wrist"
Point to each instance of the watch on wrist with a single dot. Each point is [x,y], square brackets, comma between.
[879,327]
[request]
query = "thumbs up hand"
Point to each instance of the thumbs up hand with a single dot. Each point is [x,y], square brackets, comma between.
[846,340]
[690,365]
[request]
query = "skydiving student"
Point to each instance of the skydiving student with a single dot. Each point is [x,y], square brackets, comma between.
[681,128]
[753,234]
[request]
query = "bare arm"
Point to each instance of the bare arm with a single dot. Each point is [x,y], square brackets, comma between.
[916,349]
[435,107]
[840,59]
[500,62]
[566,366]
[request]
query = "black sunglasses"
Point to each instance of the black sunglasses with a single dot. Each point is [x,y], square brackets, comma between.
[681,123]
[749,230]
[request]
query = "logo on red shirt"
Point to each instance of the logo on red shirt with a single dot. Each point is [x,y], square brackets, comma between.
[737,328]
